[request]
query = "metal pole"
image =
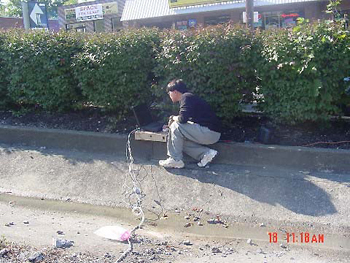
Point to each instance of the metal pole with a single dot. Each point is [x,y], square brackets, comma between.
[250,13]
[25,15]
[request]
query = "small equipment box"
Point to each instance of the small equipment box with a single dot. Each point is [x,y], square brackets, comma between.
[151,136]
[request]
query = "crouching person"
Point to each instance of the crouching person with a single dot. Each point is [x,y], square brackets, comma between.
[189,132]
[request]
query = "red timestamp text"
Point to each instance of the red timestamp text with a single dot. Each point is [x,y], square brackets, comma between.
[302,237]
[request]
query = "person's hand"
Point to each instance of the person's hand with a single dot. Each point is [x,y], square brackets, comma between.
[173,118]
[170,121]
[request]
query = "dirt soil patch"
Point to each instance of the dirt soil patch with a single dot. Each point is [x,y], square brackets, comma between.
[248,129]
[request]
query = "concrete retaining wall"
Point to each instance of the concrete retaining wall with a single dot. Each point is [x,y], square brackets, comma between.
[230,153]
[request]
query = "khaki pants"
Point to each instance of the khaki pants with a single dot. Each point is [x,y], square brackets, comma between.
[189,138]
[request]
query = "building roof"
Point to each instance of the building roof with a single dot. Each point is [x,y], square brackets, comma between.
[142,9]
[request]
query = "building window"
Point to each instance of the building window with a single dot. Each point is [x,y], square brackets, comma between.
[99,26]
[281,19]
[290,19]
[78,27]
[215,20]
[272,20]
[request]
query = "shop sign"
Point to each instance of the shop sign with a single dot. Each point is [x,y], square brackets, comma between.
[292,15]
[107,9]
[192,22]
[110,8]
[257,16]
[75,25]
[88,12]
[180,3]
[181,25]
[69,13]
[290,19]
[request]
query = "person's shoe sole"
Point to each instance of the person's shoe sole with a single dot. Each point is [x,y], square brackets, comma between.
[179,166]
[207,158]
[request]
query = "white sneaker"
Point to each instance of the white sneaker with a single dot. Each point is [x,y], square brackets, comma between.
[171,163]
[207,158]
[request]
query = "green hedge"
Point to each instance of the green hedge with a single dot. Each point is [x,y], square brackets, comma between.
[5,101]
[114,70]
[295,75]
[303,70]
[215,62]
[41,69]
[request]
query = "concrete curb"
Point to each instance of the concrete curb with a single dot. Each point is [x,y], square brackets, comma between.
[301,158]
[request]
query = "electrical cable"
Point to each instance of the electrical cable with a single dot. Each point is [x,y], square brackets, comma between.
[131,192]
[133,196]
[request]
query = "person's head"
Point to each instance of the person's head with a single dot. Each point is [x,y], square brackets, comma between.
[175,89]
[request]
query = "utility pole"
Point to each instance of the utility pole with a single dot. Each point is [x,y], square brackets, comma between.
[249,4]
[25,15]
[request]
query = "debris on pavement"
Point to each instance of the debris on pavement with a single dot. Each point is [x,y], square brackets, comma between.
[36,257]
[216,220]
[187,243]
[283,246]
[3,252]
[63,243]
[188,225]
[216,250]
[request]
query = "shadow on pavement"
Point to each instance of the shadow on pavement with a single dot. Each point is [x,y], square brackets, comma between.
[289,189]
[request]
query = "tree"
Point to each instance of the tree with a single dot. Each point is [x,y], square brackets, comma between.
[52,6]
[2,9]
[70,2]
[14,7]
[332,8]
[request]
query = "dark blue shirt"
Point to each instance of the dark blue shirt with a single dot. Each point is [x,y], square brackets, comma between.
[197,110]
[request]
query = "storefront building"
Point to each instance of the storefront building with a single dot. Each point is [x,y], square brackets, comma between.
[185,14]
[96,16]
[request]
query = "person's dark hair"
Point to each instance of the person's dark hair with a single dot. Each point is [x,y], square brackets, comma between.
[177,84]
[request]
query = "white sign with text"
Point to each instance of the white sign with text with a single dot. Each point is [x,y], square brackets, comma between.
[256,17]
[89,12]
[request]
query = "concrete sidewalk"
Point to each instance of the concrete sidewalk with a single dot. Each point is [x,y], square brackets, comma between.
[247,185]
[296,201]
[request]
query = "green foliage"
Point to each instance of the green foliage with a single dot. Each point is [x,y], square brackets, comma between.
[4,73]
[301,77]
[114,69]
[215,62]
[14,7]
[52,7]
[70,2]
[332,7]
[41,69]
[2,9]
[296,75]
